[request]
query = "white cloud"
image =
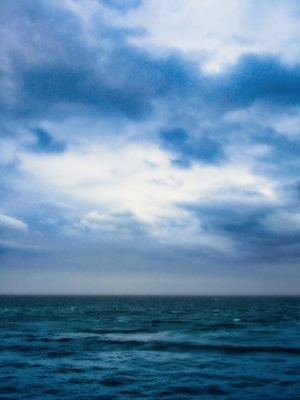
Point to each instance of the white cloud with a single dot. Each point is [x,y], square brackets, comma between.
[220,30]
[134,178]
[141,181]
[12,224]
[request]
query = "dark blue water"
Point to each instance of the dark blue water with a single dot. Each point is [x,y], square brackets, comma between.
[149,347]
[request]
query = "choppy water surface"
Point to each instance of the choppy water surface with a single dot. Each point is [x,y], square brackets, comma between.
[68,347]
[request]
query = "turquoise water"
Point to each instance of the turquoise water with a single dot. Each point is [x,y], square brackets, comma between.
[72,347]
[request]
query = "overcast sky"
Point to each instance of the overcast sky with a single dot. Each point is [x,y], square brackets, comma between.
[150,147]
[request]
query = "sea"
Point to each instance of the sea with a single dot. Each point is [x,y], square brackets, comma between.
[149,347]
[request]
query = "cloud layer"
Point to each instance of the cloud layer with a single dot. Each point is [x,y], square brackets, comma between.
[140,143]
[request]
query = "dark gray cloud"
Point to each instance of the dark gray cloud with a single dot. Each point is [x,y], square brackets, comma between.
[125,84]
[57,69]
[60,73]
[112,78]
[187,149]
[284,148]
[55,73]
[247,225]
[45,142]
[256,78]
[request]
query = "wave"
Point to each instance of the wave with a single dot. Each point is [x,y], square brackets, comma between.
[67,346]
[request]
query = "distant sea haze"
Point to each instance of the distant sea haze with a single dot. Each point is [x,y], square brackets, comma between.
[148,347]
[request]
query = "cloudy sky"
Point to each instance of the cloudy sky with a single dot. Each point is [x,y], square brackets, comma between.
[150,147]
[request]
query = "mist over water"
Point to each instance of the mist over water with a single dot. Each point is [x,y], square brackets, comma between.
[93,347]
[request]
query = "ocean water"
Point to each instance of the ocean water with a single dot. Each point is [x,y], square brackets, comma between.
[72,347]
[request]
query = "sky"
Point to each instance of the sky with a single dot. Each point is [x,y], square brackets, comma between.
[150,147]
